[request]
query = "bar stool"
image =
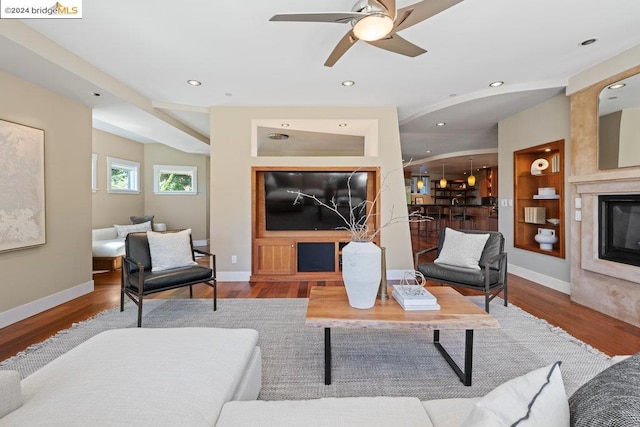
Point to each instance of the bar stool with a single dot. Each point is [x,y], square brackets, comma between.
[459,214]
[438,215]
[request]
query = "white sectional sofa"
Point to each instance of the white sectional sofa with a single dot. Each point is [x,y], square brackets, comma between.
[211,377]
[107,247]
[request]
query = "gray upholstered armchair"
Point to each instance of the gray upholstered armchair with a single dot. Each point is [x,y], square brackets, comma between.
[490,278]
[142,276]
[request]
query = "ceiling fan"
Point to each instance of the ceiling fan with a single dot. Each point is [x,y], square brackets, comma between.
[375,22]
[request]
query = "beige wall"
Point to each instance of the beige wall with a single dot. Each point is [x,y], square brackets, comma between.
[231,164]
[113,208]
[41,277]
[177,211]
[546,122]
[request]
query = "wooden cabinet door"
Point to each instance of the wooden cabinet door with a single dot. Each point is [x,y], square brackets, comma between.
[275,257]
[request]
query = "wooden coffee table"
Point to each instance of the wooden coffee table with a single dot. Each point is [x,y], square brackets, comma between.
[329,308]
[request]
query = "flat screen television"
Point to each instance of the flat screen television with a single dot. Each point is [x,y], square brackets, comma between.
[283,212]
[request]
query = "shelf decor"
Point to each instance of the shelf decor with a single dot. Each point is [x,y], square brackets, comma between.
[22,212]
[538,166]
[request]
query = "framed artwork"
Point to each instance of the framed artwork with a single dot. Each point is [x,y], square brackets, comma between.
[419,201]
[22,205]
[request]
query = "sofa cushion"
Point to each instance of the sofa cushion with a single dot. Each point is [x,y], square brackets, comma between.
[123,230]
[10,394]
[107,248]
[534,399]
[449,412]
[139,377]
[462,249]
[611,398]
[170,250]
[141,219]
[345,411]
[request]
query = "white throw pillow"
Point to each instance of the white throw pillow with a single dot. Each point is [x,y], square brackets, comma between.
[123,230]
[462,249]
[534,399]
[170,250]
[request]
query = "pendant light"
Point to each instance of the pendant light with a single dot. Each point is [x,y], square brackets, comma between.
[443,180]
[420,184]
[471,180]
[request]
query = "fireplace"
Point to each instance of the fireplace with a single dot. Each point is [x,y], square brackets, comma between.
[619,228]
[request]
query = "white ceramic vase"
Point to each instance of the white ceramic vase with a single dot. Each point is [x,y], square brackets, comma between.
[361,273]
[546,238]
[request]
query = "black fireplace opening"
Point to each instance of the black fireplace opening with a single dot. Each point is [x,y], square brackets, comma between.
[619,228]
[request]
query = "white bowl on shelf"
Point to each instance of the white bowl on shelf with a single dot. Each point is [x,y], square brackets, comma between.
[554,221]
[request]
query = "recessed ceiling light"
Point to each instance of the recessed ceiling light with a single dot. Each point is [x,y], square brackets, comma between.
[285,125]
[546,150]
[428,151]
[194,82]
[278,136]
[342,125]
[441,124]
[496,84]
[348,83]
[617,86]
[588,42]
[95,94]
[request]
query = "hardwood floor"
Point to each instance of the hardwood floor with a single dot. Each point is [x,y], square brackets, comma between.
[605,333]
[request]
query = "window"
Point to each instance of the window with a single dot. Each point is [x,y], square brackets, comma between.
[123,176]
[94,172]
[169,179]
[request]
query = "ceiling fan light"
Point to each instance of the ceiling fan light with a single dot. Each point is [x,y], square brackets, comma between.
[373,27]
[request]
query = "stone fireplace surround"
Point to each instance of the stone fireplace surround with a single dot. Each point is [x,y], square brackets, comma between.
[609,287]
[588,189]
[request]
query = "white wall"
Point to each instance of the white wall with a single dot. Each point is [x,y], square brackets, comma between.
[546,122]
[231,164]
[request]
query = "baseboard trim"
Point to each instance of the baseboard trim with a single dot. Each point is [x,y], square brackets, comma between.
[19,313]
[544,280]
[233,276]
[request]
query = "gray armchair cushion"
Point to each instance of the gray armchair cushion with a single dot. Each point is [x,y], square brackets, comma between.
[611,398]
[448,274]
[166,279]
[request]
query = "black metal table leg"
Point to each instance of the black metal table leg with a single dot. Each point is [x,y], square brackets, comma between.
[327,356]
[465,376]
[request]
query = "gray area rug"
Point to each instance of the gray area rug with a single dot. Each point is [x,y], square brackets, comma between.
[366,362]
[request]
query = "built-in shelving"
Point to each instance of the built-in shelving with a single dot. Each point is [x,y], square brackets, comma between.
[455,189]
[527,185]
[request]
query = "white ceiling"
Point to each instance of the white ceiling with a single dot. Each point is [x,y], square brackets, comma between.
[139,54]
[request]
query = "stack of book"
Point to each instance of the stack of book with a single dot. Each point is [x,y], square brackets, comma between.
[414,297]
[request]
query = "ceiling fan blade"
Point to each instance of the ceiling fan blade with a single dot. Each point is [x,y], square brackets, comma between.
[339,17]
[389,5]
[343,45]
[411,15]
[395,43]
